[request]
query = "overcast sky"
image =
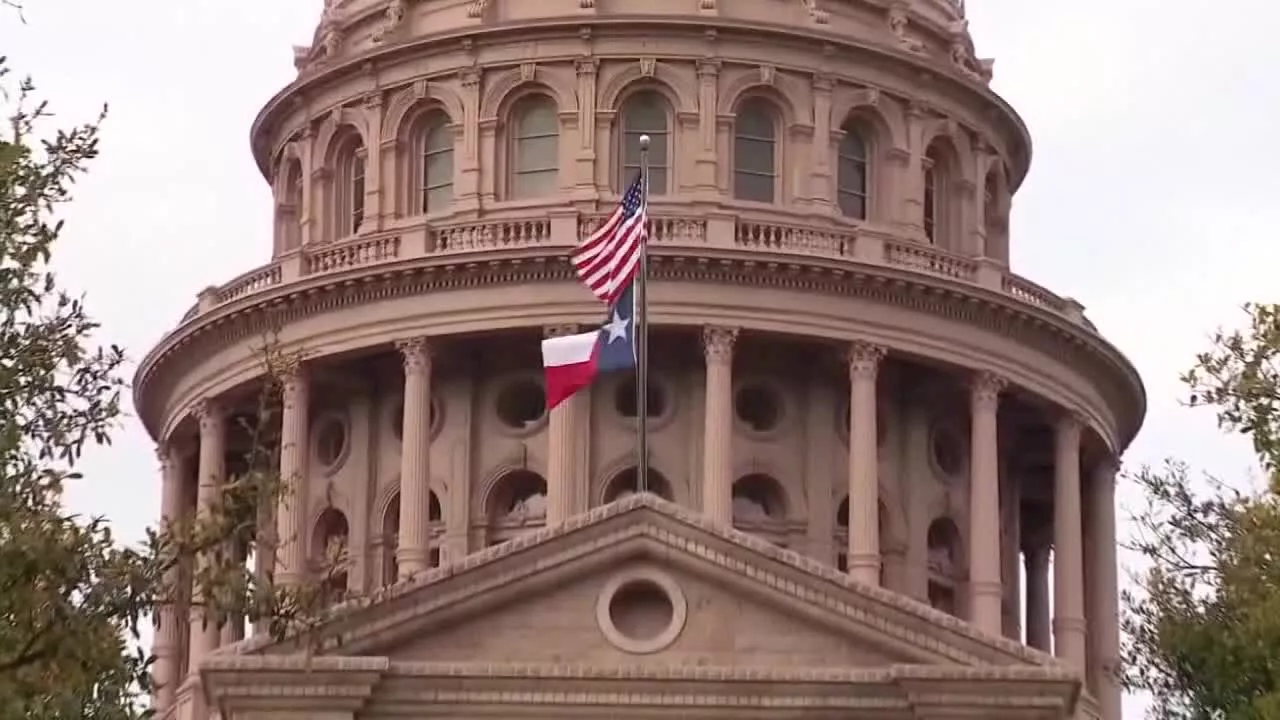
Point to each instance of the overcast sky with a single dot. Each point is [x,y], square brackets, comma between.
[1154,159]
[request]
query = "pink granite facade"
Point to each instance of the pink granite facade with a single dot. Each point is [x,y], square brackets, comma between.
[866,428]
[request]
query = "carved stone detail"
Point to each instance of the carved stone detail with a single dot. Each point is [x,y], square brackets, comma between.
[528,71]
[768,74]
[416,353]
[986,388]
[717,343]
[648,66]
[899,25]
[393,18]
[864,359]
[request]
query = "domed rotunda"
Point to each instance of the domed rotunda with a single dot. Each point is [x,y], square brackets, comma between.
[868,435]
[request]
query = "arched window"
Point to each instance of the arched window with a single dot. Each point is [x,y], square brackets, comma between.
[329,552]
[517,503]
[852,178]
[348,200]
[939,173]
[433,167]
[627,482]
[289,206]
[645,114]
[755,160]
[535,148]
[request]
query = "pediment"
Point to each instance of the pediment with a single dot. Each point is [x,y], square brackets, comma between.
[573,594]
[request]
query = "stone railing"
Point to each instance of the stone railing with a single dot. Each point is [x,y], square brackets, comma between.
[711,230]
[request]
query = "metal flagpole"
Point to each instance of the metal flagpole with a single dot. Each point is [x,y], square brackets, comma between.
[642,334]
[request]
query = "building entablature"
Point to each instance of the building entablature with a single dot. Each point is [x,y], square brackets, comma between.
[702,274]
[817,55]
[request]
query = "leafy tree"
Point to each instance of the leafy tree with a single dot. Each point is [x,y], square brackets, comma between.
[72,598]
[1203,624]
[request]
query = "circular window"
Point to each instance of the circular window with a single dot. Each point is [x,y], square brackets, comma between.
[641,611]
[658,400]
[758,407]
[331,440]
[397,418]
[521,403]
[947,450]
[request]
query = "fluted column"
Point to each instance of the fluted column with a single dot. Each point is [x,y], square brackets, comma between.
[717,439]
[291,505]
[984,504]
[562,449]
[1068,560]
[1038,628]
[413,551]
[864,465]
[1104,590]
[169,624]
[212,471]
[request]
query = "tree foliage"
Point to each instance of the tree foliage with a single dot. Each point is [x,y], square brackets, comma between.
[1203,623]
[73,599]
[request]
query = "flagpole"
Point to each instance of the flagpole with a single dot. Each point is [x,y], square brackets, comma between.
[642,335]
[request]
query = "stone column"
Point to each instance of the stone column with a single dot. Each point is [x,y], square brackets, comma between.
[864,466]
[984,504]
[1104,590]
[170,626]
[212,470]
[413,553]
[1068,561]
[717,438]
[291,506]
[1038,629]
[562,449]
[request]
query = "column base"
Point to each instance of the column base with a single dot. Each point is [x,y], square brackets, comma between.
[865,569]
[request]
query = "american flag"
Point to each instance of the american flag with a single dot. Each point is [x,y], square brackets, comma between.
[606,261]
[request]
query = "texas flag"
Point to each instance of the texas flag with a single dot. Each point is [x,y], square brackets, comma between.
[572,362]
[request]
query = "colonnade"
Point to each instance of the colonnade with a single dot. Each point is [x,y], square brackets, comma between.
[1088,641]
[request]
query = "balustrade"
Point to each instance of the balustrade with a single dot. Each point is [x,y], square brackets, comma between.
[665,230]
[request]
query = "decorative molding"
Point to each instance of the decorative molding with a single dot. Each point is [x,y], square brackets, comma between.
[717,344]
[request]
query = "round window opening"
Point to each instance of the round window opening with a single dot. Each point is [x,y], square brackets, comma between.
[758,407]
[641,610]
[521,403]
[624,399]
[948,451]
[331,441]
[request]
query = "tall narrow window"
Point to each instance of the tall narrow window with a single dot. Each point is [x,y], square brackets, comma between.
[930,201]
[645,114]
[348,188]
[851,174]
[435,171]
[535,140]
[937,185]
[755,158]
[357,191]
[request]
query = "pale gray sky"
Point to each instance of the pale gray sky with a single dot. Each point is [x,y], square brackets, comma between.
[1154,159]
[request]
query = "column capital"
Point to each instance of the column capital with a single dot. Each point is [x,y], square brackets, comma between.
[210,414]
[864,359]
[1069,424]
[986,387]
[561,330]
[718,342]
[416,353]
[1106,469]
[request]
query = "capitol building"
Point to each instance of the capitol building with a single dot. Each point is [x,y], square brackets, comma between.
[871,440]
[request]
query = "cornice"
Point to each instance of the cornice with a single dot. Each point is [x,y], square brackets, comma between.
[257,314]
[283,101]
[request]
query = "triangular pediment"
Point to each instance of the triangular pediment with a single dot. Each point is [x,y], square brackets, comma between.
[642,581]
